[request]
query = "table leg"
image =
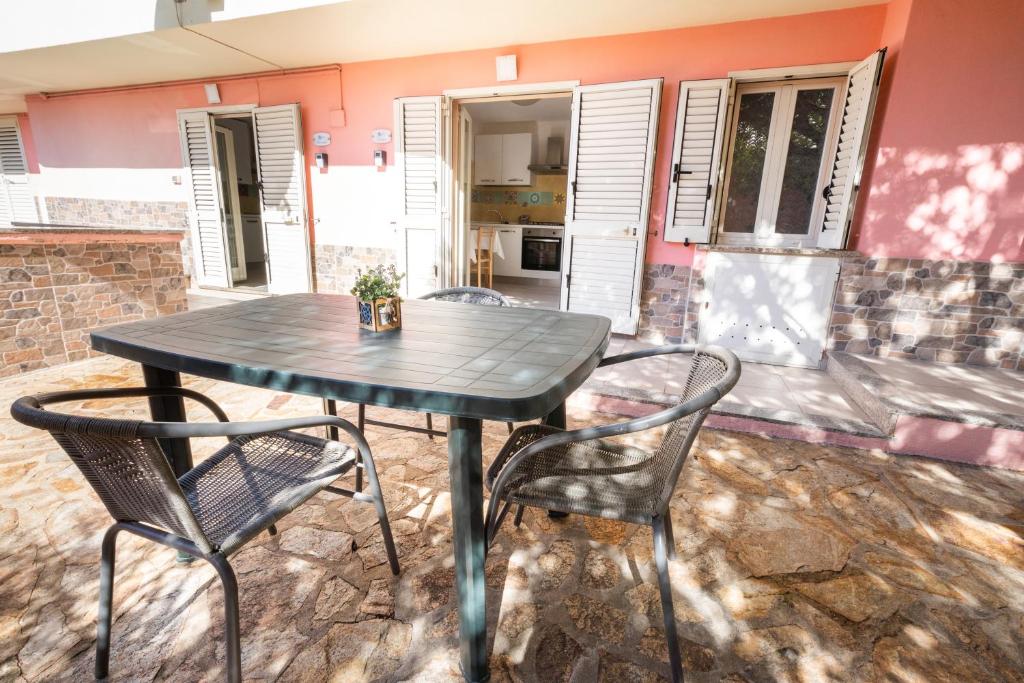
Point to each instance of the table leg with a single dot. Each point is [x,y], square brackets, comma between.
[465,468]
[170,409]
[556,418]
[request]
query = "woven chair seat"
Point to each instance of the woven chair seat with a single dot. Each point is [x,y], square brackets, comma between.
[594,477]
[256,480]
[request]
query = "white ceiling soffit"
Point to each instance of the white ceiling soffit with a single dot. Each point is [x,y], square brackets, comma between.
[546,109]
[356,30]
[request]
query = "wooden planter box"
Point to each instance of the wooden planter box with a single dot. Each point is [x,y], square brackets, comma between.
[371,317]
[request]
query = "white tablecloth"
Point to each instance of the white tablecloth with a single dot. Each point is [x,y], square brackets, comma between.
[498,251]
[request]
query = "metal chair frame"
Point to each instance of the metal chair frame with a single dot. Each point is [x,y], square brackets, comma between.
[29,410]
[502,473]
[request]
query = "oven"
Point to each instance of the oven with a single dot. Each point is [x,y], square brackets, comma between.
[542,249]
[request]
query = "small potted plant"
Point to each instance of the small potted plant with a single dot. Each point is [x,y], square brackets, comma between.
[376,291]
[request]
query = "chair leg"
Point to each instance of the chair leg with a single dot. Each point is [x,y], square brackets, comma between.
[511,427]
[518,519]
[670,539]
[661,560]
[359,456]
[272,530]
[231,622]
[430,425]
[107,554]
[382,515]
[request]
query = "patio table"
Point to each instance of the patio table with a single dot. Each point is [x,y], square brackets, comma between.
[472,363]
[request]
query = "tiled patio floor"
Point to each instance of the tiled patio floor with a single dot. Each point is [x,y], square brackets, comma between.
[797,562]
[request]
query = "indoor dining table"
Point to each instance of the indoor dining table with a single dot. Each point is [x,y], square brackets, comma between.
[469,362]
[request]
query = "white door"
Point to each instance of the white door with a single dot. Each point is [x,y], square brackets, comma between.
[16,201]
[464,195]
[282,180]
[227,175]
[611,168]
[768,308]
[197,152]
[421,219]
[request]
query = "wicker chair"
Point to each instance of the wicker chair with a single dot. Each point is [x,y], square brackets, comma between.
[579,472]
[263,473]
[463,295]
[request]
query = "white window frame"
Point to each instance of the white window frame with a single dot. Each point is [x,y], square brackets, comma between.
[775,159]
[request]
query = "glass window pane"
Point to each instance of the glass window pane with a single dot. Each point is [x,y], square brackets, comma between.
[748,153]
[803,161]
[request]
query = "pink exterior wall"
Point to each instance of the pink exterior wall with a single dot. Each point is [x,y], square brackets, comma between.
[681,54]
[138,129]
[948,150]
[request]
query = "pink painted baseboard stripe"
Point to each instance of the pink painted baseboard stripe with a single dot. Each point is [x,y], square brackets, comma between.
[927,437]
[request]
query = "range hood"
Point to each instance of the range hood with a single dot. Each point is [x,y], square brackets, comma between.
[553,162]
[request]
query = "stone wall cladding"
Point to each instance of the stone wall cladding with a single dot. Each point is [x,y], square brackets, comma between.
[945,311]
[663,299]
[116,213]
[336,266]
[53,295]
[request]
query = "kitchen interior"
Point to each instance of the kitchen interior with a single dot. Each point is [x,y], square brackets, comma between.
[520,148]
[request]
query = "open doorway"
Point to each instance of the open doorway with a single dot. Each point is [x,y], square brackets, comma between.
[512,165]
[246,174]
[234,140]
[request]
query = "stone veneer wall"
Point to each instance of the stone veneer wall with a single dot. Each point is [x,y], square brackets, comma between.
[946,311]
[663,298]
[52,294]
[116,213]
[335,266]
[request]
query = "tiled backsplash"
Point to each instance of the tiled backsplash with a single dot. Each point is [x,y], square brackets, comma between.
[543,200]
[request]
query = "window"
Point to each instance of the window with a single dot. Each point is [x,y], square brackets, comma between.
[781,137]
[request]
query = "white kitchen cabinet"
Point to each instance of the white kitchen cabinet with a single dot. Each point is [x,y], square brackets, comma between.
[516,150]
[512,245]
[487,160]
[502,159]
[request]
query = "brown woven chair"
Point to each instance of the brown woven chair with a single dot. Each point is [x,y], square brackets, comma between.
[265,471]
[579,472]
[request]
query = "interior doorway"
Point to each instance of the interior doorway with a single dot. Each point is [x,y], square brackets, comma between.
[234,140]
[511,184]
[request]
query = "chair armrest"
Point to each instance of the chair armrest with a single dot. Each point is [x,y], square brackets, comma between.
[639,424]
[647,353]
[132,392]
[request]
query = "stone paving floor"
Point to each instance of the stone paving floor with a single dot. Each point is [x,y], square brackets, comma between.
[797,562]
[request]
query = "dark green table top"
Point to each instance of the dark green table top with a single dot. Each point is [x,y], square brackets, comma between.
[474,361]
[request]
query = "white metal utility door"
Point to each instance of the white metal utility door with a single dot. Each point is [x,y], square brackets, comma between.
[768,308]
[611,167]
[282,171]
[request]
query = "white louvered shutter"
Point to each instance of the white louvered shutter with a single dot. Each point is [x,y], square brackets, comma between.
[611,170]
[696,160]
[282,173]
[418,127]
[210,256]
[17,203]
[848,164]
